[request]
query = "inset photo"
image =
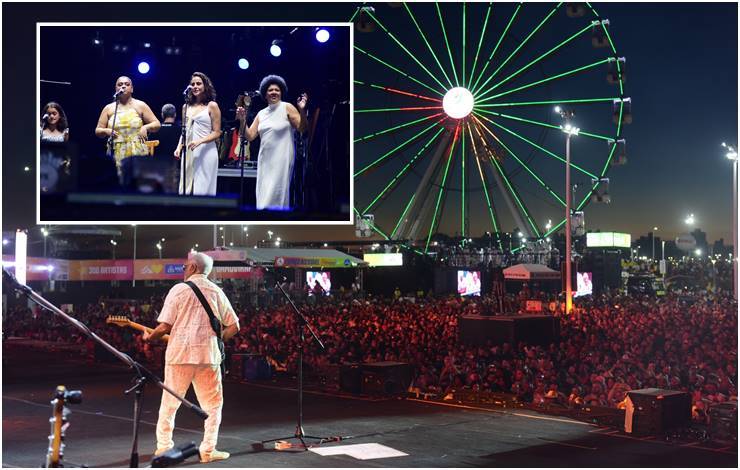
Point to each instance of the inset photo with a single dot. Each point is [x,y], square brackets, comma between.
[194,123]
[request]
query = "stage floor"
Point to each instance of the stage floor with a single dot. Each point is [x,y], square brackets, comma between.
[429,435]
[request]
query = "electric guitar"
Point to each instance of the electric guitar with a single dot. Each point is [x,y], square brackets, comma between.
[123,321]
[58,422]
[243,101]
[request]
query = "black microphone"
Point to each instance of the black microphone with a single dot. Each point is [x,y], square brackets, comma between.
[45,117]
[187,90]
[118,93]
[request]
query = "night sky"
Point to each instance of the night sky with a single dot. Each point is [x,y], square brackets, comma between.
[681,75]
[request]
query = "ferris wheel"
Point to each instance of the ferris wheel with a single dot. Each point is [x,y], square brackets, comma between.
[455,122]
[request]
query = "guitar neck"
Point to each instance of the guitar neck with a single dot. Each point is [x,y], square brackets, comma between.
[146,329]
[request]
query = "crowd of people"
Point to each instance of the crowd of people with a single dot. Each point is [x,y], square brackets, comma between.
[612,343]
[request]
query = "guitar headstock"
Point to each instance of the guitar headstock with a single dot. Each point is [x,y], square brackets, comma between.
[119,320]
[243,100]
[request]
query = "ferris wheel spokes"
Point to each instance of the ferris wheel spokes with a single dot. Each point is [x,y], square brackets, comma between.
[391,129]
[423,37]
[483,98]
[480,43]
[402,172]
[397,70]
[518,211]
[539,59]
[395,149]
[484,181]
[520,46]
[498,43]
[535,145]
[547,102]
[543,124]
[447,43]
[400,92]
[409,53]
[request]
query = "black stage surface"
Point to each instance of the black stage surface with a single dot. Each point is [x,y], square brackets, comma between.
[432,435]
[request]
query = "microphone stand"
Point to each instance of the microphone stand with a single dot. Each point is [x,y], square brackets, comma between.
[113,126]
[299,433]
[184,150]
[242,151]
[142,373]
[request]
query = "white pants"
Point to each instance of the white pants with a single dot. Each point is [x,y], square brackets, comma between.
[206,380]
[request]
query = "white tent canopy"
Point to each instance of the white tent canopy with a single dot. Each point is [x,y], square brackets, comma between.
[530,272]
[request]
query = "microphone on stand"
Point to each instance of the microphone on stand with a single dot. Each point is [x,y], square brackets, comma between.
[253,94]
[118,93]
[45,117]
[187,90]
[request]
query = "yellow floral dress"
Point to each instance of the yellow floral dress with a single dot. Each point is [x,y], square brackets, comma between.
[128,142]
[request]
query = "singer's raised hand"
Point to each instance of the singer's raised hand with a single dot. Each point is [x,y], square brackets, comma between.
[241,113]
[302,101]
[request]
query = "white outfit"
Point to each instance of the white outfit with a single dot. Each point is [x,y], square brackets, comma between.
[202,163]
[193,357]
[275,159]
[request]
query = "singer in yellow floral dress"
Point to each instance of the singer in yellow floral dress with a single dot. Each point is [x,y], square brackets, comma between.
[128,126]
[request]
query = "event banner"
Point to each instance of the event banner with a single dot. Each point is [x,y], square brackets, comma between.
[51,269]
[158,269]
[300,262]
[101,270]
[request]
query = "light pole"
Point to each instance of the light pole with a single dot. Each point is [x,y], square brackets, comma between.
[569,131]
[732,155]
[45,233]
[159,247]
[114,244]
[652,237]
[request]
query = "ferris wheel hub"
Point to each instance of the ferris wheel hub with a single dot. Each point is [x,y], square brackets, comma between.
[458,102]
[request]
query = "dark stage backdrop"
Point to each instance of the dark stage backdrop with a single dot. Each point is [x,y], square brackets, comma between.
[321,70]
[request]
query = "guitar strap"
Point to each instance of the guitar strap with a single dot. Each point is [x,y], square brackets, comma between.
[215,324]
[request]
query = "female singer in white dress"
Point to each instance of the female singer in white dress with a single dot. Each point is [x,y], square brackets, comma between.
[203,128]
[274,125]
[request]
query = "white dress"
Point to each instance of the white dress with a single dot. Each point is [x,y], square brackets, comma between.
[202,163]
[275,159]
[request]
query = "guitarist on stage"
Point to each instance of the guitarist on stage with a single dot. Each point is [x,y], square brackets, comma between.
[193,355]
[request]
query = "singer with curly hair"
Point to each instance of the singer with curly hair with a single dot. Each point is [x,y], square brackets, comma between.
[274,125]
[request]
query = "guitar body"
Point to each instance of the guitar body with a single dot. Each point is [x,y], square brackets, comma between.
[234,150]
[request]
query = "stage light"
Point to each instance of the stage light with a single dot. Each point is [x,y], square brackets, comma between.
[25,168]
[322,35]
[243,64]
[5,241]
[147,45]
[458,102]
[143,67]
[276,49]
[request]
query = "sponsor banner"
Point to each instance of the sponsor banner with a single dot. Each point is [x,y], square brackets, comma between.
[101,270]
[318,262]
[158,269]
[226,255]
[236,272]
[533,306]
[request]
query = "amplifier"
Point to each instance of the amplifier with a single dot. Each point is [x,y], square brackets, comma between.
[658,410]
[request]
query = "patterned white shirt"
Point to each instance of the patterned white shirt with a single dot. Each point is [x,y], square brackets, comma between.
[192,339]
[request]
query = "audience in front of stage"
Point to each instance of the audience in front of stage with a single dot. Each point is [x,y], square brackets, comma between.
[613,343]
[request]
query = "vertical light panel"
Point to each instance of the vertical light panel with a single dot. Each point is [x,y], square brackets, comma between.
[21,242]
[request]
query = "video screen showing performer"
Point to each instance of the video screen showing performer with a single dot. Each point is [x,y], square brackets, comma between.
[275,124]
[256,152]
